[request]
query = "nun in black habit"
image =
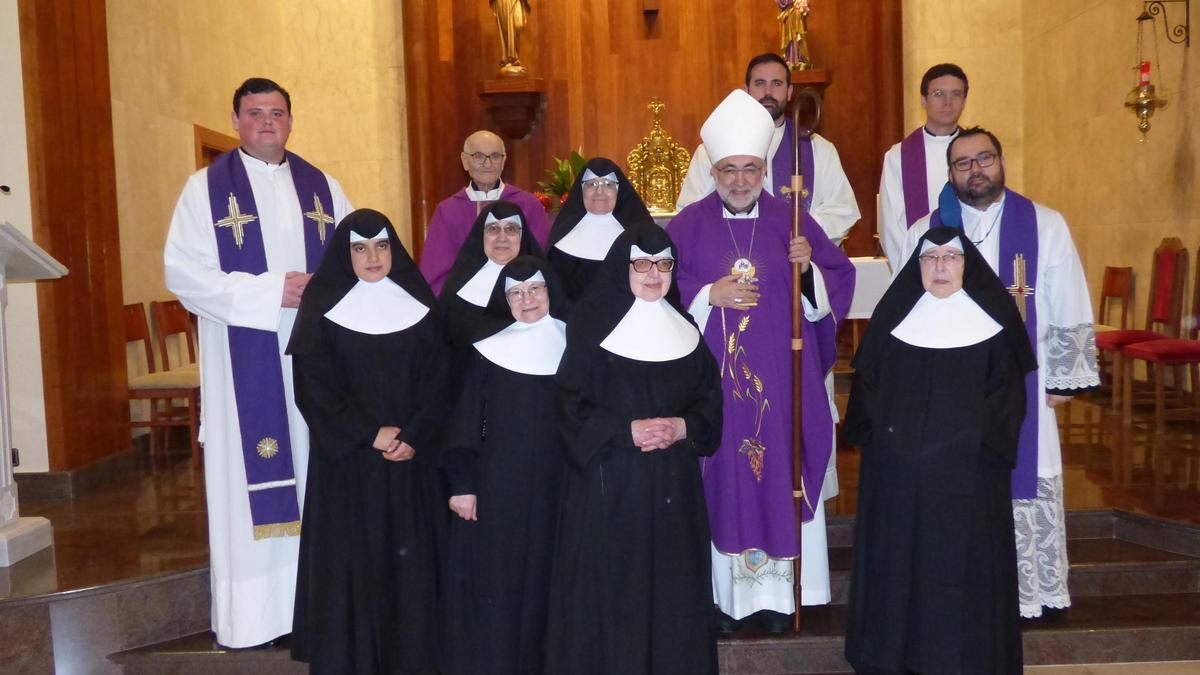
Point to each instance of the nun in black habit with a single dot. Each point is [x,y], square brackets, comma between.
[601,204]
[936,407]
[641,402]
[370,368]
[498,235]
[504,468]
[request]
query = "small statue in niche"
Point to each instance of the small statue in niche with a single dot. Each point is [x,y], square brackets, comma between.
[511,17]
[793,27]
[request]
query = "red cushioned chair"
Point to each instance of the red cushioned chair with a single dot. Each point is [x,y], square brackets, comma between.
[1161,354]
[1117,287]
[1167,278]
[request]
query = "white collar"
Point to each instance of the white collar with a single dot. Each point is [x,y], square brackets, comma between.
[377,308]
[478,289]
[652,331]
[935,138]
[529,348]
[484,195]
[752,213]
[255,164]
[591,237]
[968,209]
[956,321]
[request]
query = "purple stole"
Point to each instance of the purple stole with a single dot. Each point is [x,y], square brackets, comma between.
[914,177]
[783,164]
[1019,236]
[254,354]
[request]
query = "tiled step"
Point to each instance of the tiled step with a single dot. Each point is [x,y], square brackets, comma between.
[1112,629]
[199,655]
[1098,567]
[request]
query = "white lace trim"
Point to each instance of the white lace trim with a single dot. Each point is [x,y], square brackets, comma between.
[1041,534]
[1071,357]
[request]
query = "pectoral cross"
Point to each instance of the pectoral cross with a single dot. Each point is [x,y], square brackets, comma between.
[236,221]
[1019,290]
[319,216]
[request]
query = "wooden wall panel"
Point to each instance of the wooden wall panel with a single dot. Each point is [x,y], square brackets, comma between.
[604,60]
[68,105]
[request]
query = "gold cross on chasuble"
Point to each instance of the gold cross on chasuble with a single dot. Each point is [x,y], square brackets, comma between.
[319,217]
[1018,289]
[236,221]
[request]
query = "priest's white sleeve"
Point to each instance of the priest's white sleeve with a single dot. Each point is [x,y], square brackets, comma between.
[833,205]
[821,310]
[698,182]
[1067,337]
[193,269]
[913,236]
[700,308]
[341,203]
[892,227]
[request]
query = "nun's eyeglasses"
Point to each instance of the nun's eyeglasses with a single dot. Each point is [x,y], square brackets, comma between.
[950,259]
[597,184]
[518,294]
[643,265]
[494,229]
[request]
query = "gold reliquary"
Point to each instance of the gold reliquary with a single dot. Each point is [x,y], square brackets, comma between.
[658,165]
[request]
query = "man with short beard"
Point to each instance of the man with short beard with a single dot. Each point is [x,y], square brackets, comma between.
[1030,248]
[735,272]
[830,198]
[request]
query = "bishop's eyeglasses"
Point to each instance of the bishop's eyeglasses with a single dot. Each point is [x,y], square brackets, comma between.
[983,159]
[517,294]
[480,159]
[643,265]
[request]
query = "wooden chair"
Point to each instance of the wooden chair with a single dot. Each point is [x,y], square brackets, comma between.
[170,318]
[1167,278]
[1161,354]
[1116,287]
[163,387]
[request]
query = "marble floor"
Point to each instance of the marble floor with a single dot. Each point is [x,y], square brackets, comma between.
[152,520]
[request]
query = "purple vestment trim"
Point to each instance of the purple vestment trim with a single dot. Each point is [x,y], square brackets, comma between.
[914,177]
[254,354]
[1019,234]
[783,164]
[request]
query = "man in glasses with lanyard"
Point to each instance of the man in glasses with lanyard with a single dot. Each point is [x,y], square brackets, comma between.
[1029,247]
[482,158]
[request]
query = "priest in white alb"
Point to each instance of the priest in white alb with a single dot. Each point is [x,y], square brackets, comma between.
[1030,248]
[829,198]
[914,170]
[247,233]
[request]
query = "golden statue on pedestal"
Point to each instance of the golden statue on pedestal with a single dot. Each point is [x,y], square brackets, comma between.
[511,18]
[658,165]
[793,27]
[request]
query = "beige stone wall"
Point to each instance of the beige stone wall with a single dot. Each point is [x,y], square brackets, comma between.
[1120,192]
[985,38]
[175,63]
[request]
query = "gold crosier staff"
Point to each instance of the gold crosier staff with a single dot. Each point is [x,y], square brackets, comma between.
[797,193]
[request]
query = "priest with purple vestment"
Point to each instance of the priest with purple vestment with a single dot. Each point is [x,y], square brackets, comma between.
[483,159]
[246,235]
[736,276]
[914,170]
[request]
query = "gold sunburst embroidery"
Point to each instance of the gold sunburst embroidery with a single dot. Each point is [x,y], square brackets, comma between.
[267,448]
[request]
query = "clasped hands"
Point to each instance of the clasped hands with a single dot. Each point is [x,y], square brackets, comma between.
[657,433]
[387,441]
[731,292]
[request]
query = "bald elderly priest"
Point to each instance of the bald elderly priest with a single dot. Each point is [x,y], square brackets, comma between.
[247,233]
[483,159]
[735,273]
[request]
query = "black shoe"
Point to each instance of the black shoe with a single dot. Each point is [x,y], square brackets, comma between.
[726,625]
[774,622]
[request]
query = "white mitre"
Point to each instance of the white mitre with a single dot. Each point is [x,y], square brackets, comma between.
[739,126]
